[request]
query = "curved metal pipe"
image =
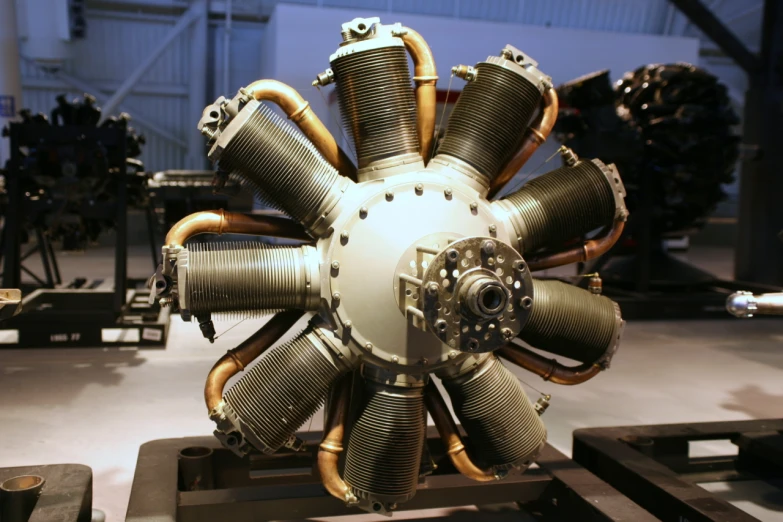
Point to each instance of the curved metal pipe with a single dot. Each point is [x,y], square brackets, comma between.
[299,111]
[223,222]
[549,369]
[236,359]
[425,76]
[332,444]
[537,134]
[590,249]
[449,434]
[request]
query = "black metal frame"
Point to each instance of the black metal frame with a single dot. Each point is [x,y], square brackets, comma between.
[651,464]
[66,495]
[759,256]
[76,316]
[286,486]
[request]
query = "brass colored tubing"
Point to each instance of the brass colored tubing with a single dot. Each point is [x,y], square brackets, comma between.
[590,249]
[236,359]
[425,76]
[549,369]
[300,112]
[536,135]
[449,434]
[223,222]
[332,444]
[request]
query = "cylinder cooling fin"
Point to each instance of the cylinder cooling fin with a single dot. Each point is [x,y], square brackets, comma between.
[503,427]
[275,397]
[275,161]
[488,122]
[385,445]
[245,279]
[572,322]
[565,203]
[376,100]
[411,270]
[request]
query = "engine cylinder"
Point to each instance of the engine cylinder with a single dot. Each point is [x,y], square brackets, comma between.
[569,321]
[275,398]
[503,429]
[247,278]
[488,123]
[565,203]
[277,163]
[376,99]
[385,445]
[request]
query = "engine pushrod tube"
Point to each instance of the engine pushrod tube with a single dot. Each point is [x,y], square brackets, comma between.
[549,369]
[590,249]
[536,134]
[426,78]
[449,434]
[301,113]
[236,359]
[223,222]
[332,444]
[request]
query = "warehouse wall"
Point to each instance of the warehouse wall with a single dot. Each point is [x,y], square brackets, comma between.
[121,33]
[115,44]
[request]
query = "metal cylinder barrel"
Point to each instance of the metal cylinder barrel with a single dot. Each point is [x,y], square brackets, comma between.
[503,428]
[247,278]
[376,100]
[277,395]
[488,123]
[277,163]
[572,322]
[18,497]
[195,468]
[385,445]
[563,204]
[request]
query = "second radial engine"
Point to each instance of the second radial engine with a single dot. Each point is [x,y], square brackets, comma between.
[413,273]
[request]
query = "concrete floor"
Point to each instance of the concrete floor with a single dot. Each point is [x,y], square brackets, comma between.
[97,406]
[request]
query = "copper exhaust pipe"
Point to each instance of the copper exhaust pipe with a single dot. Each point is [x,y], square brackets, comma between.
[549,369]
[300,112]
[332,444]
[223,222]
[590,249]
[449,434]
[236,359]
[426,78]
[536,135]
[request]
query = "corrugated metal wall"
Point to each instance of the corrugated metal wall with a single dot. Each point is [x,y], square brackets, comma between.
[116,43]
[121,33]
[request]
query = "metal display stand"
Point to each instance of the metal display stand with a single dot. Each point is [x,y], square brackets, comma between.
[78,315]
[286,486]
[66,495]
[651,465]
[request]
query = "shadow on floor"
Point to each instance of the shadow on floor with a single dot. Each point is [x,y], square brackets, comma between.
[68,372]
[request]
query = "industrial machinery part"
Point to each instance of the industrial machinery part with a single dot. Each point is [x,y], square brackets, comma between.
[414,274]
[670,130]
[487,125]
[745,304]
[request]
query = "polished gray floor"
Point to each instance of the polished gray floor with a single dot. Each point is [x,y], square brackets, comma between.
[96,406]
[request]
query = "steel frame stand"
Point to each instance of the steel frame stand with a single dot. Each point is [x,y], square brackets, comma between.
[286,486]
[651,465]
[66,495]
[80,315]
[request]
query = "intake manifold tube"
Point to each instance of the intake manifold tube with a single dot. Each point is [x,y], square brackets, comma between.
[223,222]
[549,369]
[536,134]
[332,444]
[236,359]
[425,76]
[449,434]
[299,111]
[590,249]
